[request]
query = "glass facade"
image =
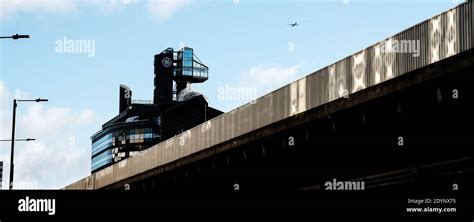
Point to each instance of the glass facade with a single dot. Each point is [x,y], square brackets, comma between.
[200,70]
[120,143]
[190,67]
[187,62]
[102,159]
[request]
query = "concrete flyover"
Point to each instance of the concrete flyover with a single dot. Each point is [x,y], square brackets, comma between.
[344,121]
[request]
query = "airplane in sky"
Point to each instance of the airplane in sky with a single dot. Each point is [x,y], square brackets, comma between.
[294,24]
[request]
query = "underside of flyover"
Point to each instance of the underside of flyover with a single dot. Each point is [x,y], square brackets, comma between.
[416,137]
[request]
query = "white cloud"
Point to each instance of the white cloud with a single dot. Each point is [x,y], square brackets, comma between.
[9,8]
[161,10]
[54,119]
[254,83]
[61,153]
[109,6]
[269,77]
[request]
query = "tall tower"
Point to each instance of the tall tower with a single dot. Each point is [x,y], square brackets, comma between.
[163,82]
[181,66]
[125,99]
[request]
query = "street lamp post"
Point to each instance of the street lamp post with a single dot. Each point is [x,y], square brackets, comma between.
[27,139]
[13,132]
[15,37]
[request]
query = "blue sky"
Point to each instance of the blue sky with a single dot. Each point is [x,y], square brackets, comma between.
[245,44]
